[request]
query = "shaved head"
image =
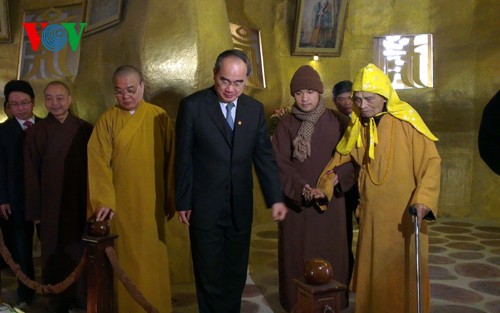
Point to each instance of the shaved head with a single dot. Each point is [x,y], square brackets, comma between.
[126,70]
[57,83]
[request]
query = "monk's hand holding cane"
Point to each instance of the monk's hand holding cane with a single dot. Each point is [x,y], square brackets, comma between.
[422,212]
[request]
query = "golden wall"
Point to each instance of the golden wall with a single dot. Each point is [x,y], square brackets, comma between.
[466,76]
[175,44]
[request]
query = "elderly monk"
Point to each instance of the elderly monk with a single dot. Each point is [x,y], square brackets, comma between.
[131,154]
[400,167]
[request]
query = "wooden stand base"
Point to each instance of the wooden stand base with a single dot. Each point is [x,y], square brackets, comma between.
[100,291]
[319,298]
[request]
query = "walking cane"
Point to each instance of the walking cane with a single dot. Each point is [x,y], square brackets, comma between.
[413,212]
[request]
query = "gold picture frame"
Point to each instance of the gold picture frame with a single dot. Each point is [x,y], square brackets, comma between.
[4,21]
[319,27]
[102,14]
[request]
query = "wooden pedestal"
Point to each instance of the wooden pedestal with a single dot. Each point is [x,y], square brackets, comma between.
[100,292]
[319,298]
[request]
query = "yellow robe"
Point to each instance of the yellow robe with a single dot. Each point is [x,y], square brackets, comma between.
[405,171]
[131,171]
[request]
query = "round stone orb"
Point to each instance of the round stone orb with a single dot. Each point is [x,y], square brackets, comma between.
[318,271]
[99,228]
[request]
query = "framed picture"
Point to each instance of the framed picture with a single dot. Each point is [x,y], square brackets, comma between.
[4,21]
[102,14]
[52,56]
[319,27]
[248,40]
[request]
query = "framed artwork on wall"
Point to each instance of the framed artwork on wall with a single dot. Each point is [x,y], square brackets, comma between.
[248,40]
[319,27]
[4,21]
[51,54]
[102,14]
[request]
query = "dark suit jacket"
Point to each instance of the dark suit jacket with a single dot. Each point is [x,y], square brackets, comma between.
[12,166]
[489,134]
[214,172]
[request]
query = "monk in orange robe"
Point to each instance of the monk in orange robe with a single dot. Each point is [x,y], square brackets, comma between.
[130,155]
[400,167]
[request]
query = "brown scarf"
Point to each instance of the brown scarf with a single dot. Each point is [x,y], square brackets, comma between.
[302,142]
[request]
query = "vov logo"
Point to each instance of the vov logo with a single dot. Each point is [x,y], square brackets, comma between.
[54,37]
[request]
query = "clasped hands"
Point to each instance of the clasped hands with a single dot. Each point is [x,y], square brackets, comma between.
[309,193]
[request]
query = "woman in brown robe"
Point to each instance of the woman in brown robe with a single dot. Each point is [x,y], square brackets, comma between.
[304,142]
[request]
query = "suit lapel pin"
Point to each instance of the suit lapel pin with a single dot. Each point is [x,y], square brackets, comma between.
[239,123]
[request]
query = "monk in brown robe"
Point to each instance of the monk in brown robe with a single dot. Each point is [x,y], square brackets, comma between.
[56,191]
[304,142]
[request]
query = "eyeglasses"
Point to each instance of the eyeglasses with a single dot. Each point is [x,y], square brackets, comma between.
[131,91]
[236,84]
[20,104]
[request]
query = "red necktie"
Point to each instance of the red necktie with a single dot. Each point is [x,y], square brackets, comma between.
[28,124]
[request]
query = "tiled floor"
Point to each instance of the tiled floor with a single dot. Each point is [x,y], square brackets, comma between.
[464,264]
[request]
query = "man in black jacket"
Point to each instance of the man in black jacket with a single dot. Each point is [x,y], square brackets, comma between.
[20,98]
[489,134]
[220,134]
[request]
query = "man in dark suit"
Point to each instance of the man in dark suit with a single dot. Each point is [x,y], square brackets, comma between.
[489,134]
[18,233]
[220,133]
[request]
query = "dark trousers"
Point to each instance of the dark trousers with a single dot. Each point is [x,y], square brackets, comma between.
[220,262]
[19,240]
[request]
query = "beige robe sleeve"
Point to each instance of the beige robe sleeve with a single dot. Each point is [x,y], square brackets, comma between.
[325,180]
[427,172]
